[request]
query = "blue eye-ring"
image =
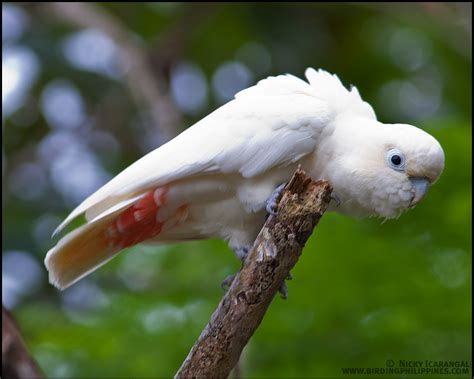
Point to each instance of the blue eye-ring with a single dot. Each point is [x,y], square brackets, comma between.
[396,159]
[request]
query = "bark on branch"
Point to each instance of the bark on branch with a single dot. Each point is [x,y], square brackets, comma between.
[17,363]
[274,253]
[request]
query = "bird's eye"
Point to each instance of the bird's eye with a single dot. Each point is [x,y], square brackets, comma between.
[396,159]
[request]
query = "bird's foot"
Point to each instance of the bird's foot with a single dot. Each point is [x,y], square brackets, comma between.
[335,198]
[284,288]
[272,202]
[225,284]
[241,252]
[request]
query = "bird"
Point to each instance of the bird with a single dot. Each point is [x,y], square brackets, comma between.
[221,177]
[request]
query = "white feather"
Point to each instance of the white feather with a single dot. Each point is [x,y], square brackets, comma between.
[272,124]
[220,172]
[330,89]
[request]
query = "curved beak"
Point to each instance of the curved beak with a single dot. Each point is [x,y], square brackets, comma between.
[419,188]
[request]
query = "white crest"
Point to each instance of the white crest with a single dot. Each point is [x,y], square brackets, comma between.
[322,85]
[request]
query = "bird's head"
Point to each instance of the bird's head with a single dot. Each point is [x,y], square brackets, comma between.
[387,168]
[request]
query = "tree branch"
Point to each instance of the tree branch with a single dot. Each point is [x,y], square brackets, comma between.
[16,361]
[274,253]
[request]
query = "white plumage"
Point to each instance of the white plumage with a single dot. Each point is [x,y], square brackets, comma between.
[213,180]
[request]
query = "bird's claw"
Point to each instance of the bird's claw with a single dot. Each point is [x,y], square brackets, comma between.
[283,291]
[272,202]
[226,283]
[284,288]
[242,252]
[272,208]
[336,199]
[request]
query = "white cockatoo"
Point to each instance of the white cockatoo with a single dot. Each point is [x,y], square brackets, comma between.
[216,179]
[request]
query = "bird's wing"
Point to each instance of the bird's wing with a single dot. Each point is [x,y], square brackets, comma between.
[272,124]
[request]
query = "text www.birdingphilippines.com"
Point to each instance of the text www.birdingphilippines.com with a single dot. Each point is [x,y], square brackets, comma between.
[412,367]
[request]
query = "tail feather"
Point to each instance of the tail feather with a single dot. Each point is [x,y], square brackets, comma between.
[95,243]
[79,253]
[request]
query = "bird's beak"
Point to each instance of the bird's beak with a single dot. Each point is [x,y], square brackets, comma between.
[419,188]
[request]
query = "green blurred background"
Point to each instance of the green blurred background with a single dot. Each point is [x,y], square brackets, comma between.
[75,113]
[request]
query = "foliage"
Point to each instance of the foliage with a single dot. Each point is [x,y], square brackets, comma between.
[363,292]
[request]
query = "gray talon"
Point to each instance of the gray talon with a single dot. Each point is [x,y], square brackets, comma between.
[284,288]
[272,202]
[336,199]
[283,291]
[226,283]
[272,208]
[242,252]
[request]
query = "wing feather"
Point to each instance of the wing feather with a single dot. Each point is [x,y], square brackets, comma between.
[268,125]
